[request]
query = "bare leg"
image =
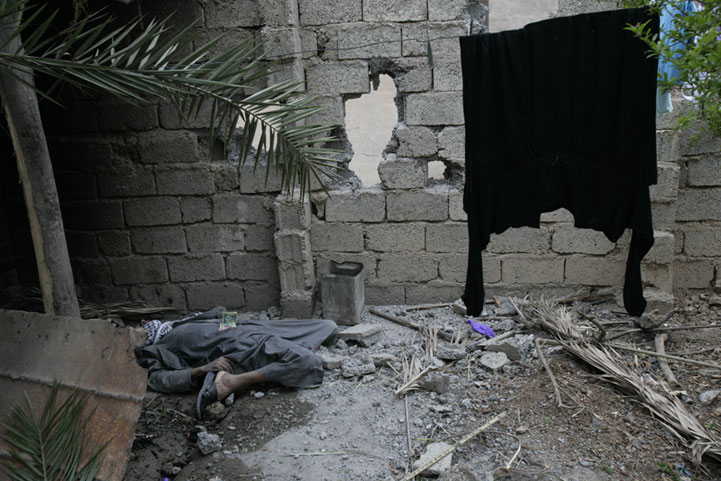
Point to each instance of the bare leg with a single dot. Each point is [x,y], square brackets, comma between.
[226,383]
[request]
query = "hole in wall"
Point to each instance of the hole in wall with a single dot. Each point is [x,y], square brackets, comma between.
[369,122]
[436,170]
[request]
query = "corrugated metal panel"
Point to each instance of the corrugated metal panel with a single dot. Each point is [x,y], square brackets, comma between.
[90,355]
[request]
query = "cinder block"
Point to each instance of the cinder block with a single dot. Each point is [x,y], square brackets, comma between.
[407,268]
[403,173]
[230,38]
[279,13]
[394,11]
[215,238]
[168,147]
[385,294]
[699,204]
[521,239]
[336,236]
[184,12]
[446,33]
[291,70]
[349,77]
[333,112]
[595,271]
[136,182]
[455,206]
[259,238]
[297,304]
[258,179]
[440,10]
[261,295]
[491,269]
[435,291]
[530,269]
[95,272]
[121,116]
[435,108]
[280,41]
[292,246]
[296,277]
[395,237]
[195,181]
[427,204]
[447,74]
[447,238]
[558,215]
[693,141]
[667,146]
[664,215]
[416,75]
[308,43]
[114,243]
[80,244]
[250,266]
[75,185]
[703,243]
[453,267]
[452,144]
[318,12]
[662,250]
[704,171]
[195,267]
[361,40]
[668,179]
[238,13]
[195,209]
[692,273]
[569,240]
[368,260]
[80,154]
[678,242]
[171,118]
[415,141]
[291,213]
[207,295]
[158,240]
[93,215]
[139,270]
[368,205]
[161,295]
[251,209]
[225,176]
[152,211]
[659,276]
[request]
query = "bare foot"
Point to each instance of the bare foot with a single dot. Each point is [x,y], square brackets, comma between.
[221,385]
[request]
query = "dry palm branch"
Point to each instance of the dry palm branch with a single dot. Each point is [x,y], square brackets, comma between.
[558,321]
[139,64]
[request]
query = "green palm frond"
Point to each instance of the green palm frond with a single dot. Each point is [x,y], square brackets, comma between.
[50,448]
[138,64]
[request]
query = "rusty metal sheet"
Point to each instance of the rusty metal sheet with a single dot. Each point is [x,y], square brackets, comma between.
[93,356]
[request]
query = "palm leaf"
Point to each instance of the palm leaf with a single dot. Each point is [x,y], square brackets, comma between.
[50,448]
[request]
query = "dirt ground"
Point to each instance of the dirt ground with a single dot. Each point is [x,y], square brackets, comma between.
[355,428]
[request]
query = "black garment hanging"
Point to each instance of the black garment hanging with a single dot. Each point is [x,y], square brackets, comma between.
[560,113]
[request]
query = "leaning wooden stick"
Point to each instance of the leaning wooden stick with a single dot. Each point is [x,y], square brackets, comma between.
[556,391]
[663,364]
[403,322]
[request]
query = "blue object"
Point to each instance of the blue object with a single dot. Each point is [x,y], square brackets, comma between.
[666,69]
[481,328]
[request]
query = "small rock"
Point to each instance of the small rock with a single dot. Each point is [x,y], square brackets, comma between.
[274,312]
[494,360]
[381,359]
[216,411]
[208,443]
[433,451]
[215,478]
[259,395]
[459,307]
[715,300]
[521,430]
[323,435]
[505,309]
[359,332]
[510,351]
[435,382]
[331,361]
[354,367]
[228,401]
[450,352]
[176,470]
[504,325]
[708,397]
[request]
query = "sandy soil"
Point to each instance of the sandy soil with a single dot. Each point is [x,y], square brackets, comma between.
[354,428]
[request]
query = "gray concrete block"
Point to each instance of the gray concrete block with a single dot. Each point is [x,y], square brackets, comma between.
[664,214]
[296,277]
[291,213]
[568,240]
[668,180]
[663,247]
[333,112]
[361,40]
[447,74]
[659,276]
[705,242]
[229,38]
[415,35]
[455,205]
[207,295]
[158,240]
[319,12]
[368,260]
[491,269]
[152,211]
[258,179]
[251,209]
[453,267]
[171,118]
[428,204]
[415,75]
[385,294]
[667,146]
[114,243]
[336,236]
[434,291]
[259,238]
[447,237]
[395,237]
[595,271]
[440,10]
[251,266]
[698,204]
[435,108]
[136,182]
[704,171]
[168,147]
[279,13]
[297,304]
[194,181]
[292,246]
[93,215]
[195,209]
[452,144]
[394,11]
[196,267]
[368,205]
[95,272]
[280,41]
[531,269]
[359,332]
[689,273]
[224,176]
[558,215]
[238,13]
[291,70]
[349,77]
[215,238]
[161,295]
[139,270]
[416,141]
[121,117]
[261,295]
[407,268]
[403,173]
[308,43]
[693,142]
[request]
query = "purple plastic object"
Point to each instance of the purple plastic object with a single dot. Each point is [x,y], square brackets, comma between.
[481,328]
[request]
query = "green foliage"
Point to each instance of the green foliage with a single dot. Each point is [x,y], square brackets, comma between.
[138,64]
[699,64]
[49,448]
[668,470]
[607,469]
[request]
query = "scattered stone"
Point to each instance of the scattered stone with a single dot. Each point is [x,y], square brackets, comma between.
[708,397]
[216,478]
[521,430]
[714,300]
[274,312]
[494,360]
[505,309]
[381,359]
[176,470]
[504,325]
[450,352]
[459,307]
[216,411]
[229,400]
[435,382]
[355,367]
[323,435]
[359,332]
[433,451]
[331,361]
[208,443]
[259,395]
[510,351]
[440,409]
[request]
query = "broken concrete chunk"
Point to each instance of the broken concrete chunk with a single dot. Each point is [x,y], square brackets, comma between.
[355,367]
[331,361]
[450,352]
[459,307]
[359,332]
[435,382]
[708,397]
[432,452]
[714,300]
[381,359]
[505,309]
[494,360]
[510,351]
[504,325]
[208,443]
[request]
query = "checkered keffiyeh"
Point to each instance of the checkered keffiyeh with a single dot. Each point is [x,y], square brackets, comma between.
[154,330]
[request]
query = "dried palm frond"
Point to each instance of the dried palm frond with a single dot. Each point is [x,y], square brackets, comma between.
[89,310]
